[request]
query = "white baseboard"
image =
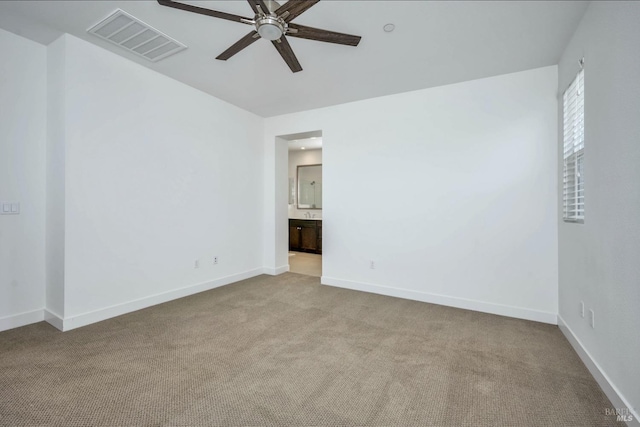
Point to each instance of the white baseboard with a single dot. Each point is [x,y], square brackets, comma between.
[612,392]
[275,271]
[72,322]
[53,319]
[22,319]
[484,307]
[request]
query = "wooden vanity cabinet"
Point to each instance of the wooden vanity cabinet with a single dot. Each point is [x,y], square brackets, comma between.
[305,235]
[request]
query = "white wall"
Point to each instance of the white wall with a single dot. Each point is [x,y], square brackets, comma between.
[22,179]
[599,260]
[157,175]
[297,158]
[55,172]
[450,190]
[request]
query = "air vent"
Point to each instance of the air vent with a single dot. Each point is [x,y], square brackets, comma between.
[132,34]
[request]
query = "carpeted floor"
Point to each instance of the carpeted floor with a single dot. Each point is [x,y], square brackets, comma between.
[287,351]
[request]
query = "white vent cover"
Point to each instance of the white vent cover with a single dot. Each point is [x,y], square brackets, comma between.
[124,30]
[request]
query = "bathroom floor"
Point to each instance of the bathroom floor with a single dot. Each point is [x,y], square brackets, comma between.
[304,263]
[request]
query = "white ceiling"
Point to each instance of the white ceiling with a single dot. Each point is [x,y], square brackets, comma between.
[313,143]
[434,43]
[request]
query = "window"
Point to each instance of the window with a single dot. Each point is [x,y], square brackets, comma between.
[573,187]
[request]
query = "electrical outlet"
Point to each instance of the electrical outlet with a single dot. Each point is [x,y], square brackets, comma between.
[582,309]
[215,260]
[592,319]
[372,265]
[196,264]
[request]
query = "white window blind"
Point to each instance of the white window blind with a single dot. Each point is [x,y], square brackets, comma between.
[573,188]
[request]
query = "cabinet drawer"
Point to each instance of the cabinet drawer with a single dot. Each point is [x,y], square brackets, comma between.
[305,223]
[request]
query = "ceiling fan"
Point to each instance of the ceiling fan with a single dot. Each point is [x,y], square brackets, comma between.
[272,22]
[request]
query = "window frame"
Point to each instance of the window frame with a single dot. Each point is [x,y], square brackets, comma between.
[573,197]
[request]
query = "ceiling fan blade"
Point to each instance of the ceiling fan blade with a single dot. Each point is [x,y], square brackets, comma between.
[323,35]
[202,10]
[239,45]
[284,48]
[295,8]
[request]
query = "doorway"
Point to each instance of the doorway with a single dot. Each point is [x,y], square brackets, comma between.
[305,203]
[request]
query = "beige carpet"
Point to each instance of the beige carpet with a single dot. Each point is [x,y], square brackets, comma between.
[286,351]
[305,263]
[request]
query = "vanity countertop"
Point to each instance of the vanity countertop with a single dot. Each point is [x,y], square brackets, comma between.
[314,219]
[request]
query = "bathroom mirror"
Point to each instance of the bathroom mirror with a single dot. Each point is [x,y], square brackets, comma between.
[309,187]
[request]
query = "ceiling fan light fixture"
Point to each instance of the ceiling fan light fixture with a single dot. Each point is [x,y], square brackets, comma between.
[270,28]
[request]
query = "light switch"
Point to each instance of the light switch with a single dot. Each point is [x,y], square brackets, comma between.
[10,208]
